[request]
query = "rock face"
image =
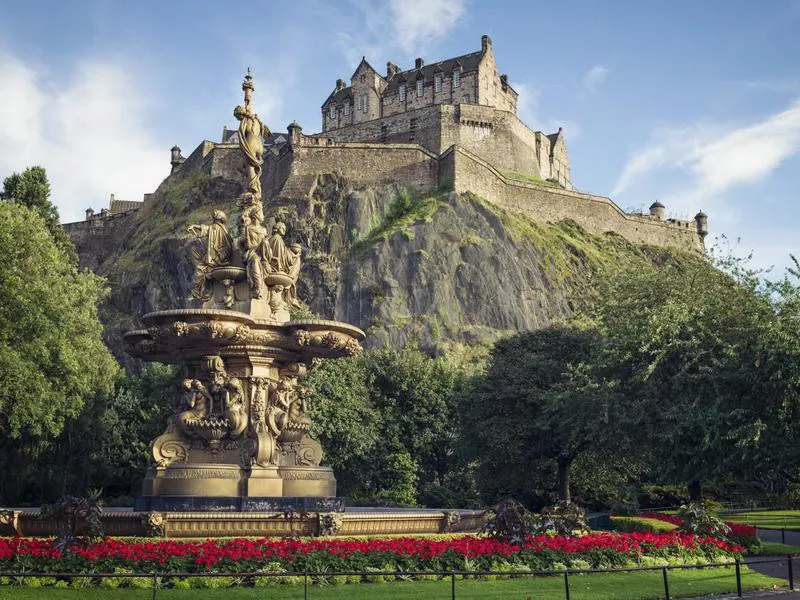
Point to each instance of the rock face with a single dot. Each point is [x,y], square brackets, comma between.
[437,270]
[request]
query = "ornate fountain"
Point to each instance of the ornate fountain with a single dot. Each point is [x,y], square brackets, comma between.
[239,439]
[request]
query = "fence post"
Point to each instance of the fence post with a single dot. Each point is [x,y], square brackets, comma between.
[738,578]
[155,585]
[305,584]
[566,583]
[453,586]
[791,572]
[666,583]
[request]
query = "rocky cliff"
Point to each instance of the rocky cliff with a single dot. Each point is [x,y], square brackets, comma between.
[439,270]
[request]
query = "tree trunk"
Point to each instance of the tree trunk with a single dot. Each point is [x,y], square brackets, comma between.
[563,479]
[695,490]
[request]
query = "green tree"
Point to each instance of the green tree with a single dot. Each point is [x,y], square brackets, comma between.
[388,422]
[31,188]
[52,356]
[542,403]
[699,347]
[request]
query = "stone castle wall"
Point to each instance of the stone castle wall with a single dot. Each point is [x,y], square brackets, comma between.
[597,214]
[292,172]
[362,163]
[499,136]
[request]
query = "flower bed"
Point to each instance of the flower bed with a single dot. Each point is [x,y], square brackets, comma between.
[745,535]
[599,550]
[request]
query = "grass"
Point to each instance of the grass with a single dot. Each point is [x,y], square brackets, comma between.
[778,549]
[767,519]
[527,178]
[405,210]
[614,586]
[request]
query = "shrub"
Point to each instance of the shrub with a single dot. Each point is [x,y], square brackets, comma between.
[630,524]
[510,522]
[700,518]
[564,519]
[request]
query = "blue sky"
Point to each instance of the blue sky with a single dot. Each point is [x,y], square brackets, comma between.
[694,103]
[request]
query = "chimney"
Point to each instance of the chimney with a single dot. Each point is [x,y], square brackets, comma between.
[418,63]
[486,43]
[391,70]
[340,85]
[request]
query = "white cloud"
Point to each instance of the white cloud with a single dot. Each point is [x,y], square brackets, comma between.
[380,28]
[418,22]
[89,132]
[716,158]
[594,78]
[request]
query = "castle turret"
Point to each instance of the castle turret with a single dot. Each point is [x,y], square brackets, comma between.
[701,219]
[89,214]
[295,131]
[176,159]
[657,210]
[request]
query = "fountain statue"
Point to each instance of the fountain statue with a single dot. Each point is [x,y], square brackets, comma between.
[239,439]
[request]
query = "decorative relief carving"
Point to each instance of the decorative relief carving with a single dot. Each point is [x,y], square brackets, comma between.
[451,519]
[201,474]
[329,523]
[154,524]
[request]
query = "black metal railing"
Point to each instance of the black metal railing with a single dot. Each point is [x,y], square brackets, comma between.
[310,576]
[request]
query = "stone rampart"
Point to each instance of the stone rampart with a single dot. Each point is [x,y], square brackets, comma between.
[362,163]
[597,214]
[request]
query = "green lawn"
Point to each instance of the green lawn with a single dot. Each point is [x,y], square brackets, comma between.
[769,519]
[616,586]
[778,549]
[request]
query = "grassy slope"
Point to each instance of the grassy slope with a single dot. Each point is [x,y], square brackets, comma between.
[778,549]
[621,586]
[768,519]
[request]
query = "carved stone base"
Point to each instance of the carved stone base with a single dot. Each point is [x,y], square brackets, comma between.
[231,482]
[281,504]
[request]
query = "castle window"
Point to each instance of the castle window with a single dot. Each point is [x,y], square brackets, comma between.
[420,88]
[346,108]
[437,82]
[456,78]
[333,111]
[412,129]
[384,132]
[402,92]
[366,102]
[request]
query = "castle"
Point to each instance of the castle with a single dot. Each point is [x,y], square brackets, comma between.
[460,101]
[453,124]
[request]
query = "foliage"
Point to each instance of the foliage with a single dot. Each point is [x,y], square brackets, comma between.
[563,519]
[707,355]
[510,522]
[630,524]
[31,188]
[52,356]
[389,424]
[698,519]
[526,178]
[78,518]
[406,209]
[543,396]
[600,550]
